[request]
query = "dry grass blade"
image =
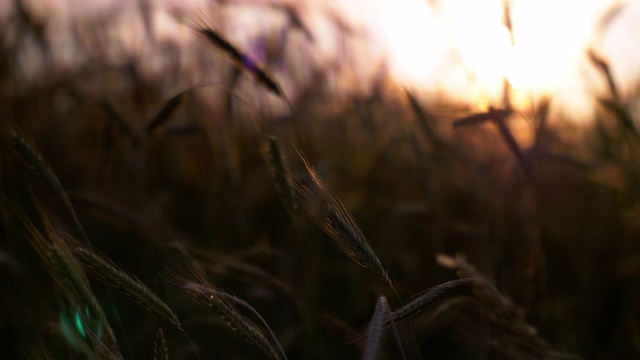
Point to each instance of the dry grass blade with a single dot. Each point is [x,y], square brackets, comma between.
[160,349]
[614,103]
[430,297]
[542,115]
[71,279]
[281,175]
[118,279]
[497,115]
[242,60]
[122,122]
[507,20]
[512,144]
[425,120]
[623,116]
[209,297]
[333,218]
[603,66]
[29,153]
[166,111]
[535,153]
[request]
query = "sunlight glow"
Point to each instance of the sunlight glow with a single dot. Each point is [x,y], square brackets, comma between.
[550,37]
[550,41]
[479,37]
[411,35]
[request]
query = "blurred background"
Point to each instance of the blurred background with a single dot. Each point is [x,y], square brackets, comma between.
[160,139]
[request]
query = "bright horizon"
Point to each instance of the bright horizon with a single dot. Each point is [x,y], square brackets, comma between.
[430,42]
[457,50]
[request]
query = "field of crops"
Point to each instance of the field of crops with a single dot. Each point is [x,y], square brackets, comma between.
[251,179]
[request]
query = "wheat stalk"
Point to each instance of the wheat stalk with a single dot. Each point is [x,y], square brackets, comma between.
[166,111]
[125,124]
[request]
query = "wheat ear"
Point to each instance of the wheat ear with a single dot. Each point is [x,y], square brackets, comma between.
[160,349]
[333,218]
[209,296]
[242,60]
[112,275]
[69,276]
[430,297]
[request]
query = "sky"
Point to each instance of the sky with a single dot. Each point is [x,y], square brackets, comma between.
[460,50]
[428,41]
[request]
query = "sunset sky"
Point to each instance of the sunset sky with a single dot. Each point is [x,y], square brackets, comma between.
[427,40]
[457,49]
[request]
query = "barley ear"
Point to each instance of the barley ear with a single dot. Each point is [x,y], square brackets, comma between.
[330,215]
[112,275]
[71,279]
[125,124]
[165,113]
[160,349]
[210,297]
[430,297]
[237,56]
[235,300]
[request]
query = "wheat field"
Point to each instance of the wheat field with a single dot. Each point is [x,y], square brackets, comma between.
[248,179]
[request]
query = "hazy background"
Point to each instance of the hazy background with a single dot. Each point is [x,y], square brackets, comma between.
[458,50]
